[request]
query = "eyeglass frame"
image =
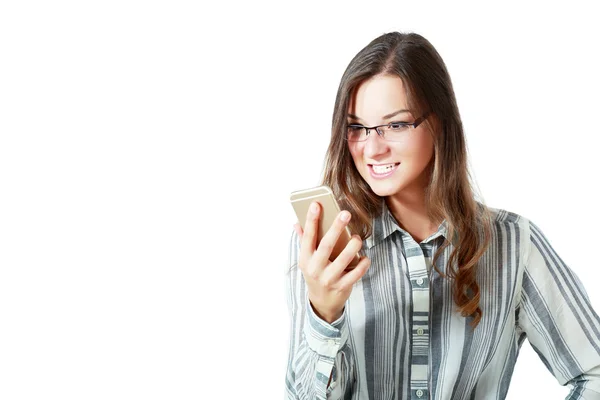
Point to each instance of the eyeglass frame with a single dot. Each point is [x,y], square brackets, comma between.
[414,125]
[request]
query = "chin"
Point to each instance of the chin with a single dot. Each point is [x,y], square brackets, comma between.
[383,189]
[385,192]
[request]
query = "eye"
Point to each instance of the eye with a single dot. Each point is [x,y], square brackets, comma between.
[398,125]
[354,128]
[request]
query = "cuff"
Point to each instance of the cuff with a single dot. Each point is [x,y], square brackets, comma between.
[324,338]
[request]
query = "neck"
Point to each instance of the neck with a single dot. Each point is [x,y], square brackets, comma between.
[409,209]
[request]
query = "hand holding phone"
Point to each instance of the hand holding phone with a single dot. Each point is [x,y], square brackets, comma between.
[328,280]
[301,200]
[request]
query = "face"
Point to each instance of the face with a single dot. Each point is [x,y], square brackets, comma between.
[374,99]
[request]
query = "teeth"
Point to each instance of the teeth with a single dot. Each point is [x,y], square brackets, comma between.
[382,169]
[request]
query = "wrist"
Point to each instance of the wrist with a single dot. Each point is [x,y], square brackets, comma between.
[327,317]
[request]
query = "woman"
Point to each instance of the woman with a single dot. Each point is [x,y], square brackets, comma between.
[449,288]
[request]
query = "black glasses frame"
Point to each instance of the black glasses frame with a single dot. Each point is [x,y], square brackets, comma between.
[417,122]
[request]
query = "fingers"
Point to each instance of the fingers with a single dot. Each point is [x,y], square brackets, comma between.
[309,236]
[339,265]
[331,237]
[350,278]
[298,230]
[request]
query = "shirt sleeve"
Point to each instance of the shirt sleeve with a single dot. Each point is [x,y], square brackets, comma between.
[317,350]
[557,317]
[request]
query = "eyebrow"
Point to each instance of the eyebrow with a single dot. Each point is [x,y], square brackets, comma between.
[384,117]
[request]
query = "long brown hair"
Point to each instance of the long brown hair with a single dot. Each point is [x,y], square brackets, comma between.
[449,194]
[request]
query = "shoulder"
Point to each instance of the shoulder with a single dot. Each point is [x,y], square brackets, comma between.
[502,218]
[501,215]
[511,229]
[509,225]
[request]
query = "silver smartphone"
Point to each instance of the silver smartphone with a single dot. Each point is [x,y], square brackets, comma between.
[301,200]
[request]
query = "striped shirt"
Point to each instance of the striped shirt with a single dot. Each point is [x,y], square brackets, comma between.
[400,336]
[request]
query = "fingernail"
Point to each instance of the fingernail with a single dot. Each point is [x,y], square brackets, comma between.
[345,216]
[314,208]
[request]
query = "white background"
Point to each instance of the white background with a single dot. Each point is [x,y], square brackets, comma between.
[148,150]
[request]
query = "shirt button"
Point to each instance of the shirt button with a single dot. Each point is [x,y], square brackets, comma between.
[332,342]
[420,331]
[420,281]
[420,393]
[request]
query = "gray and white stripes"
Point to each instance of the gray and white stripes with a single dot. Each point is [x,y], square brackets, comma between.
[400,336]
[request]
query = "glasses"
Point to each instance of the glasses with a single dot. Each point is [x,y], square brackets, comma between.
[393,132]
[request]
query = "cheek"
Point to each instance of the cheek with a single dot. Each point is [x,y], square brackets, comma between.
[355,151]
[420,149]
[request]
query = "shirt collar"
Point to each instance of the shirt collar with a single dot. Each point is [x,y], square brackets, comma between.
[385,224]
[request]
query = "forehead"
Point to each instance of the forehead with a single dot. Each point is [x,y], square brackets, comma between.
[378,96]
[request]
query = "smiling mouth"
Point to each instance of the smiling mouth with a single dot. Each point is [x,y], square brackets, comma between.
[384,168]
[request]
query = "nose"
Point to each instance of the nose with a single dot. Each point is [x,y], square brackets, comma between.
[374,145]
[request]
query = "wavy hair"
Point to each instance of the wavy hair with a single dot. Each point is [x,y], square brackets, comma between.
[449,194]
